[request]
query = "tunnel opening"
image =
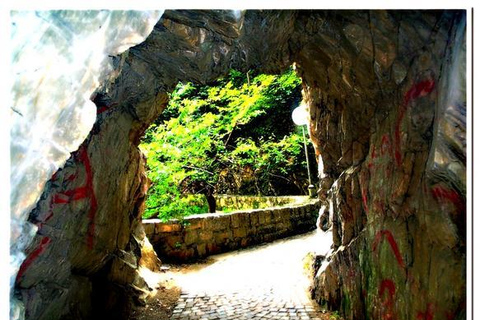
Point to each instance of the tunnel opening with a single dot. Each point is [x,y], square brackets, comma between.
[256,108]
[249,118]
[232,137]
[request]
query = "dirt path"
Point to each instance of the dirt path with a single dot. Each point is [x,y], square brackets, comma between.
[269,281]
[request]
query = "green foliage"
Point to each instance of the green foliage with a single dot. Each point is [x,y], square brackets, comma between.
[335,315]
[234,136]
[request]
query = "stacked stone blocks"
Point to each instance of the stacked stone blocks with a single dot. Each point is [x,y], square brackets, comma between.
[199,236]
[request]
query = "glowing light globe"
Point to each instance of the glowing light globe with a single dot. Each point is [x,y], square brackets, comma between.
[300,115]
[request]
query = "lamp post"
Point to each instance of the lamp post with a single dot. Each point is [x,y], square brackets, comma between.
[299,117]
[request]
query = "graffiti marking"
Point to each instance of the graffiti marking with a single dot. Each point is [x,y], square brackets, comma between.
[419,89]
[393,244]
[33,255]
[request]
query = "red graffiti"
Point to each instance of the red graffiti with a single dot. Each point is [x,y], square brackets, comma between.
[49,214]
[393,244]
[84,192]
[63,198]
[58,199]
[444,195]
[428,314]
[385,149]
[32,256]
[74,194]
[54,176]
[387,285]
[373,156]
[88,191]
[386,145]
[419,89]
[374,152]
[104,108]
[364,200]
[363,190]
[71,177]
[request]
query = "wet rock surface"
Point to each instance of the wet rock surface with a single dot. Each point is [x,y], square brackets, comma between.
[386,94]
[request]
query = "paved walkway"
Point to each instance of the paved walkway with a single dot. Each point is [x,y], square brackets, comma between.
[265,282]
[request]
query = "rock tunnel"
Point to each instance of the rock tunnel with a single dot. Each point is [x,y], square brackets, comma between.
[386,93]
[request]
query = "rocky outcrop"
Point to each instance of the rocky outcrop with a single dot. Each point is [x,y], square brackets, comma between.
[386,96]
[388,120]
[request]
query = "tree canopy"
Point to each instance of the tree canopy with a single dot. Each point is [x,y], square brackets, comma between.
[234,136]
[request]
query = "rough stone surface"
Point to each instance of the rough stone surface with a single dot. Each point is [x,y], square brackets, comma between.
[149,258]
[386,94]
[201,235]
[388,123]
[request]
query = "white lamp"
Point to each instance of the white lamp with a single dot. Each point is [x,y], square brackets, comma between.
[300,118]
[300,115]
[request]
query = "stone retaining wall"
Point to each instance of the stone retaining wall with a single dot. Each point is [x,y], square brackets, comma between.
[202,235]
[255,202]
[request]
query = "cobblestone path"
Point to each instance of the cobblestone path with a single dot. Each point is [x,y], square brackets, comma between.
[265,282]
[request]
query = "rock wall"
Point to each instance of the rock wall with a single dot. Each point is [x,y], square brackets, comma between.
[201,235]
[387,106]
[386,93]
[83,262]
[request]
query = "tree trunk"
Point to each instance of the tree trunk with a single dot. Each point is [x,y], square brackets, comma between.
[212,203]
